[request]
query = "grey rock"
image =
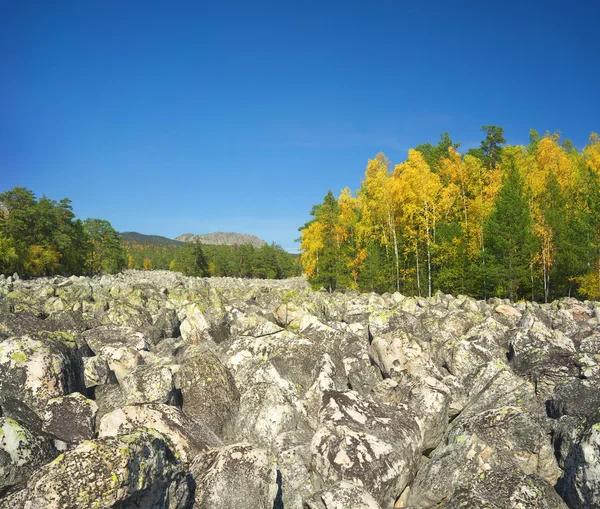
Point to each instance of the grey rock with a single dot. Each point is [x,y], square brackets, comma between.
[134,470]
[186,436]
[71,419]
[342,495]
[376,445]
[239,476]
[208,390]
[222,238]
[97,372]
[580,486]
[507,489]
[151,384]
[33,371]
[22,452]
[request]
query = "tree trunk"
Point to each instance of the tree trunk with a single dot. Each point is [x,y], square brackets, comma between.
[418,273]
[428,249]
[396,257]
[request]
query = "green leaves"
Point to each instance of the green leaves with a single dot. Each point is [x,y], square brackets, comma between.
[190,260]
[105,253]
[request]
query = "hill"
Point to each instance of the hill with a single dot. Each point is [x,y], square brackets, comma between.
[223,238]
[149,239]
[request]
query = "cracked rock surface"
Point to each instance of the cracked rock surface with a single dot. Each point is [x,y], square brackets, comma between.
[155,390]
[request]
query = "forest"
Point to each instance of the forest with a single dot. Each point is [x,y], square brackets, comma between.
[518,222]
[270,261]
[43,237]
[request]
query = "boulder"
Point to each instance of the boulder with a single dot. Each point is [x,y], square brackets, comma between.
[110,335]
[517,435]
[97,372]
[506,489]
[22,452]
[33,371]
[208,390]
[194,324]
[580,486]
[342,495]
[452,467]
[122,360]
[71,419]
[134,470]
[268,406]
[151,384]
[377,446]
[238,475]
[186,436]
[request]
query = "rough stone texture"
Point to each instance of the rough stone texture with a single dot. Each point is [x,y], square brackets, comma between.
[517,435]
[342,495]
[97,372]
[151,384]
[194,325]
[507,489]
[32,371]
[459,464]
[186,436]
[71,419]
[135,470]
[377,446]
[581,484]
[267,406]
[239,476]
[122,360]
[109,398]
[343,400]
[208,390]
[21,453]
[107,335]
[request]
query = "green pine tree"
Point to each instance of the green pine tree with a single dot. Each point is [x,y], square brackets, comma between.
[510,241]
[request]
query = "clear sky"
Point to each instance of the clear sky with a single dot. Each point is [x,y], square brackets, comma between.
[174,117]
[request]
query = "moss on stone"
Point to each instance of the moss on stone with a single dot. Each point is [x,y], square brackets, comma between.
[19,357]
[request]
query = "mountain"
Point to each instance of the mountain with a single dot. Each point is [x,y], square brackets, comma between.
[148,239]
[219,238]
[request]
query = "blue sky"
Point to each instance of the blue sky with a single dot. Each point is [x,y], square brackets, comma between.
[175,117]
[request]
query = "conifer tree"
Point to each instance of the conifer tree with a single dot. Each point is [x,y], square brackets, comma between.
[510,239]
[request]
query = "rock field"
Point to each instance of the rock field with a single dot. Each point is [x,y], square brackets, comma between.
[154,390]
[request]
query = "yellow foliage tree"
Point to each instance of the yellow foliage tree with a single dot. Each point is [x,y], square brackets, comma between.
[378,209]
[313,241]
[416,190]
[42,260]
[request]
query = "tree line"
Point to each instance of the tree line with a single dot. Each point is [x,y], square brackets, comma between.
[270,261]
[500,220]
[43,237]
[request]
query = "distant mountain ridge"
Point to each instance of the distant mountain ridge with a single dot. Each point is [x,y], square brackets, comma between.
[148,239]
[222,238]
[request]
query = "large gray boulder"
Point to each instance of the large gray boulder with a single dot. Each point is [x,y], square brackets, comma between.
[71,419]
[134,470]
[581,484]
[506,489]
[33,371]
[239,476]
[375,445]
[269,406]
[208,390]
[342,495]
[186,436]
[22,452]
